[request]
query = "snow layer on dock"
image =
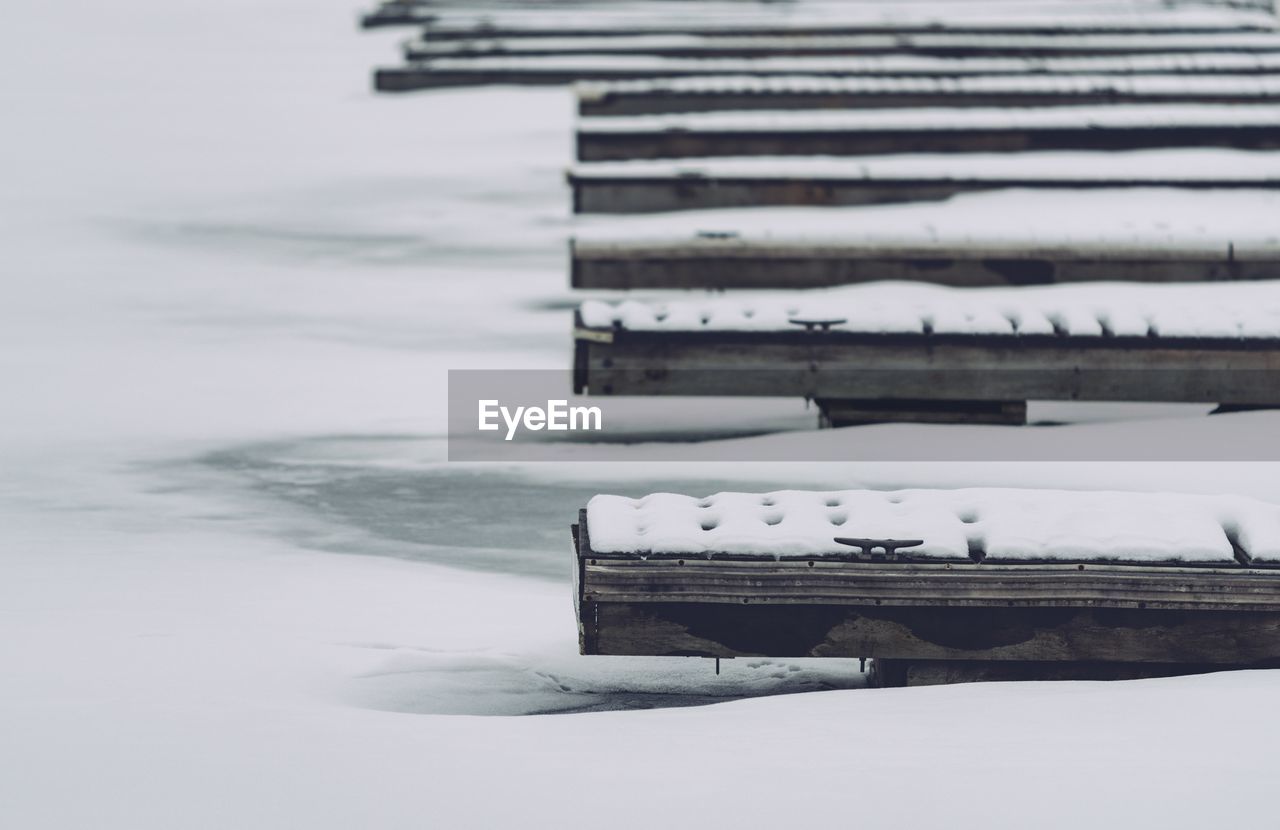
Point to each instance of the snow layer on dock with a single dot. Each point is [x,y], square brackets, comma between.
[716,17]
[946,119]
[1187,62]
[1215,310]
[853,44]
[1006,524]
[1155,166]
[1147,85]
[251,257]
[1157,222]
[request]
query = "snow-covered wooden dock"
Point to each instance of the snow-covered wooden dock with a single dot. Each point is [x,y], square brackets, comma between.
[445,26]
[728,260]
[939,44]
[743,93]
[691,184]
[935,130]
[936,584]
[894,351]
[565,69]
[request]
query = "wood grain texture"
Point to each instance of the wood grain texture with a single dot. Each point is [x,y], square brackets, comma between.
[1029,614]
[423,75]
[662,143]
[935,45]
[625,194]
[950,584]
[484,27]
[852,366]
[732,263]
[617,103]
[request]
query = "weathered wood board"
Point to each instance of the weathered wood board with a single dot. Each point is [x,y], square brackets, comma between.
[659,142]
[858,366]
[946,614]
[610,192]
[935,44]
[720,261]
[809,93]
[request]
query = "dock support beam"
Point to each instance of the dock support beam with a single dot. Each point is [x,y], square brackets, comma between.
[841,412]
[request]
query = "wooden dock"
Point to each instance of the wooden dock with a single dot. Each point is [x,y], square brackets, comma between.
[566,69]
[743,94]
[886,132]
[723,260]
[936,44]
[1004,102]
[642,187]
[861,376]
[946,615]
[453,27]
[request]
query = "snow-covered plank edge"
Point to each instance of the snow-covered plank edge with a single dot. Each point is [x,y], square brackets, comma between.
[1097,310]
[642,66]
[942,44]
[746,93]
[510,19]
[723,242]
[451,25]
[1092,117]
[798,263]
[1153,85]
[1055,222]
[567,69]
[1153,166]
[994,525]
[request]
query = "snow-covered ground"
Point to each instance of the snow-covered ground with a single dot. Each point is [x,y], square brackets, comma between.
[239,585]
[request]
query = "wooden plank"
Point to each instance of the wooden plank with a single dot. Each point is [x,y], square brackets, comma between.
[965,584]
[935,44]
[397,14]
[930,623]
[723,261]
[535,70]
[660,142]
[595,100]
[614,193]
[593,27]
[930,367]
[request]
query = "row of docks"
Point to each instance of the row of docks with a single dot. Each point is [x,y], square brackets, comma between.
[784,114]
[754,175]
